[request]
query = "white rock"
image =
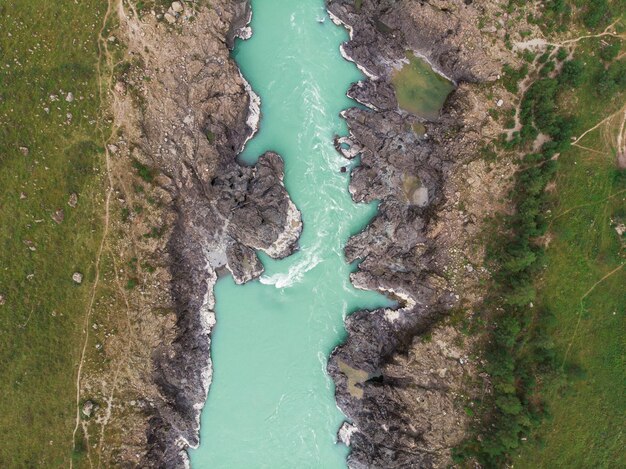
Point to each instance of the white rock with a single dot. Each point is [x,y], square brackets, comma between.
[500,102]
[77,277]
[177,7]
[73,200]
[169,18]
[345,432]
[420,196]
[88,408]
[70,97]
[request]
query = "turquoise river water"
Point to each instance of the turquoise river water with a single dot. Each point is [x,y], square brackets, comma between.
[271,403]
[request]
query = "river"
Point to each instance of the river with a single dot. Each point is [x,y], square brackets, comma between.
[271,403]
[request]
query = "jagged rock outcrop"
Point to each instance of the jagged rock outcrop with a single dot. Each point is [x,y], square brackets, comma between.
[446,32]
[193,113]
[403,255]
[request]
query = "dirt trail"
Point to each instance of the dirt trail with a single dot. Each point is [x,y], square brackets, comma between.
[103,54]
[582,308]
[588,149]
[606,119]
[585,205]
[540,43]
[621,142]
[618,139]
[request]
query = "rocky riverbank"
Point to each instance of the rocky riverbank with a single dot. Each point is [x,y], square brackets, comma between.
[405,410]
[195,122]
[184,112]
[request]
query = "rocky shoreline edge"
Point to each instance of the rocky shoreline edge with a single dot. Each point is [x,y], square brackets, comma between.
[196,112]
[404,252]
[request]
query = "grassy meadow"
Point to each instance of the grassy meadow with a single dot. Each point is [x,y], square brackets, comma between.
[585,400]
[552,327]
[584,288]
[51,145]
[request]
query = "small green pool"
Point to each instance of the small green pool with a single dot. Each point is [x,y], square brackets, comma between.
[419,89]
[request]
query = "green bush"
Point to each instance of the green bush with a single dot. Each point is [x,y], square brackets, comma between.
[512,76]
[611,80]
[595,13]
[144,172]
[556,6]
[572,73]
[547,69]
[610,51]
[210,136]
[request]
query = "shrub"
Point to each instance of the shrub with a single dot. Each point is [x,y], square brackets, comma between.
[144,172]
[609,52]
[612,79]
[543,58]
[210,136]
[572,73]
[595,13]
[556,6]
[528,56]
[547,69]
[511,76]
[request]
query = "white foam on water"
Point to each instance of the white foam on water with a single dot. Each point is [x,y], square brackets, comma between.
[321,357]
[294,275]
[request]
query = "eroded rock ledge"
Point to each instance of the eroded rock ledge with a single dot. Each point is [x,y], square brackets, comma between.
[194,115]
[400,396]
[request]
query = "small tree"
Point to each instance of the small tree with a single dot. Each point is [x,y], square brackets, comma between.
[572,73]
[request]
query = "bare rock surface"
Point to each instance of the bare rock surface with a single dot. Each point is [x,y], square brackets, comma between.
[443,31]
[399,416]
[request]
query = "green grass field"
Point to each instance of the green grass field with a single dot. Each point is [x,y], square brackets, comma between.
[585,288]
[47,50]
[586,405]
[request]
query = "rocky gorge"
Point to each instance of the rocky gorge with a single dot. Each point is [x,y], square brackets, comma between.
[186,112]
